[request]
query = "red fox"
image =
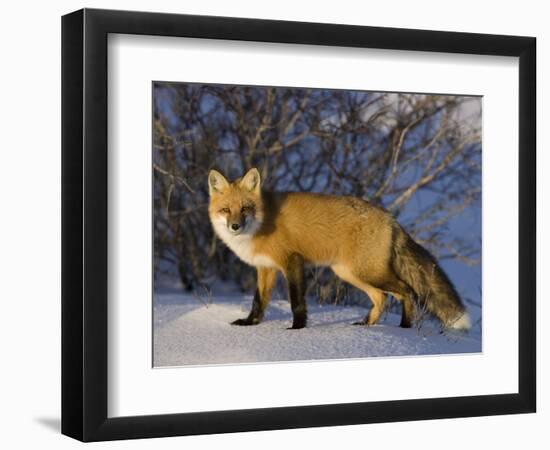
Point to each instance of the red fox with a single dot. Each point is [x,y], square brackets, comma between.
[362,243]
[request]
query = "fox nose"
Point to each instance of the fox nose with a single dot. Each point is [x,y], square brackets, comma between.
[235,226]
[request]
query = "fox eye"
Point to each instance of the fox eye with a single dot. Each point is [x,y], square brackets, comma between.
[246,209]
[225,210]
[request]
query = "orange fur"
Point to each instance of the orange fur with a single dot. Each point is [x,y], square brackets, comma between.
[350,235]
[325,230]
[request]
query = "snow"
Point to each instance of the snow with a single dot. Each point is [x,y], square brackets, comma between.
[194,329]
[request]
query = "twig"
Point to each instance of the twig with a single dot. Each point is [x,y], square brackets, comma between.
[173,177]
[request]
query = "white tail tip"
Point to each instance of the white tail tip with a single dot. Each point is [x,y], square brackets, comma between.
[462,323]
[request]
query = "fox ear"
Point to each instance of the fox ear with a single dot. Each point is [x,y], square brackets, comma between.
[216,182]
[251,181]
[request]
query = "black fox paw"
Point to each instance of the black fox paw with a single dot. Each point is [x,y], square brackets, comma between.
[245,322]
[298,324]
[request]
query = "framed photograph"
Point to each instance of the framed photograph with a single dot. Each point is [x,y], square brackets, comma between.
[273,224]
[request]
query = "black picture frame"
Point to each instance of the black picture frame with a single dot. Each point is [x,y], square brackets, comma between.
[84,224]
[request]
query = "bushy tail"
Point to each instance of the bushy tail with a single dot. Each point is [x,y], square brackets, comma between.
[433,290]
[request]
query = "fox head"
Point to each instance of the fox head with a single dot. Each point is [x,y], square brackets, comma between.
[235,208]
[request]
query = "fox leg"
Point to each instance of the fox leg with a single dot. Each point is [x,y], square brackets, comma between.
[266,281]
[296,288]
[403,293]
[378,299]
[407,312]
[377,296]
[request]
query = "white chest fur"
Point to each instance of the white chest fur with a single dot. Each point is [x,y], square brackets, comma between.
[242,246]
